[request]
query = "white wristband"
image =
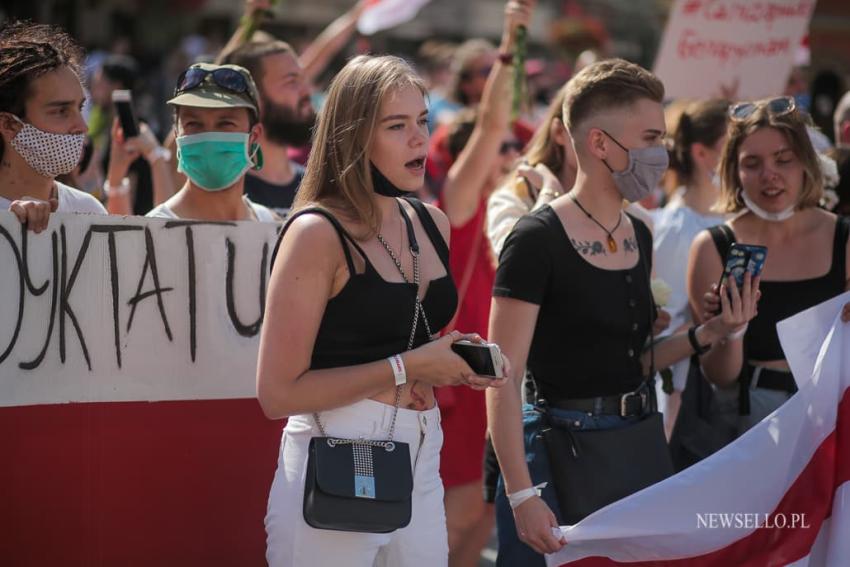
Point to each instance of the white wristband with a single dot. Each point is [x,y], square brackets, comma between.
[737,334]
[158,153]
[111,191]
[520,496]
[397,364]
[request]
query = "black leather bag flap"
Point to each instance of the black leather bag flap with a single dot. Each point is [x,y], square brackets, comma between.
[594,468]
[335,470]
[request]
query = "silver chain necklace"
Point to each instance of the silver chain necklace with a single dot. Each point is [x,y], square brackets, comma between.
[418,311]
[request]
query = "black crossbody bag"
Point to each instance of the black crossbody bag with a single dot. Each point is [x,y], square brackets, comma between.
[360,485]
[591,469]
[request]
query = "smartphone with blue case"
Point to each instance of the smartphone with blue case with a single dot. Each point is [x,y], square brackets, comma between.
[743,258]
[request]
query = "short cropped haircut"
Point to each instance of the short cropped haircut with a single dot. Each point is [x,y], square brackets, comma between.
[605,85]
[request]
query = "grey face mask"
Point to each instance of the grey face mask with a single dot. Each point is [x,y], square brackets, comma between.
[641,176]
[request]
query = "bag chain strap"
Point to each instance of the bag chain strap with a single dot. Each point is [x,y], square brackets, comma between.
[418,310]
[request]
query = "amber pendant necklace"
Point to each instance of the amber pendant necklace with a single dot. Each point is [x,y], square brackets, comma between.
[612,244]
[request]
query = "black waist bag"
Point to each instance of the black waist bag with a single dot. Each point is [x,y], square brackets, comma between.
[591,469]
[358,486]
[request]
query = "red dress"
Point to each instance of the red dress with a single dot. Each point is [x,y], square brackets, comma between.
[462,409]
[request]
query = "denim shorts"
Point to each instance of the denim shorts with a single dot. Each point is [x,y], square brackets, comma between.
[512,551]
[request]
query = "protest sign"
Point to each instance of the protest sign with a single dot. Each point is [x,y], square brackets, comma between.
[128,419]
[736,49]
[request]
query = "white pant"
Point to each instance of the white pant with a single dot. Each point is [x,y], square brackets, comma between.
[291,542]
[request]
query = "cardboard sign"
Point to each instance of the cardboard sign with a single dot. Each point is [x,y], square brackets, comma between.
[100,308]
[737,49]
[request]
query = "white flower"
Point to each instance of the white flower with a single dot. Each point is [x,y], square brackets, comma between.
[829,169]
[660,291]
[829,200]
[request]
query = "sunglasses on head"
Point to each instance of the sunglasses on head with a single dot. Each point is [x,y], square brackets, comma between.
[514,145]
[775,107]
[228,79]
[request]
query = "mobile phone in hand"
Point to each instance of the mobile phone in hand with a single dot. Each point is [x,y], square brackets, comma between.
[740,259]
[485,359]
[122,100]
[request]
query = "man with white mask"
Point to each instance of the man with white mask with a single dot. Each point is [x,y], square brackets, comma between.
[217,125]
[41,123]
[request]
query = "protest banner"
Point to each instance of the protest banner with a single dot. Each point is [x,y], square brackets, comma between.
[128,419]
[735,49]
[778,495]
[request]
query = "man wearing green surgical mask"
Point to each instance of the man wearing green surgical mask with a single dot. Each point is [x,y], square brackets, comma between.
[217,126]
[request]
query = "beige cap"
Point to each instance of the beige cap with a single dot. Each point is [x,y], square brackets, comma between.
[210,94]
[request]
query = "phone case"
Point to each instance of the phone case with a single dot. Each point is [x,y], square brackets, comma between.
[126,117]
[484,359]
[743,258]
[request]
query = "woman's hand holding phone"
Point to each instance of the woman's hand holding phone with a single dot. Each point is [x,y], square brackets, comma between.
[437,364]
[737,307]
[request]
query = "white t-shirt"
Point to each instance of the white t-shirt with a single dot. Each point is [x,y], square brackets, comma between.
[263,214]
[70,201]
[676,226]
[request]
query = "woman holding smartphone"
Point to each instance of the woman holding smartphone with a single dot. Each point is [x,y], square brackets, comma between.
[360,276]
[771,180]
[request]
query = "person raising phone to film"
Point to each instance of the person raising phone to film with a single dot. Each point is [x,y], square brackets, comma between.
[359,286]
[771,180]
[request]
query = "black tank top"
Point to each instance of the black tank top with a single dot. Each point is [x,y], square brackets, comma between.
[782,299]
[370,318]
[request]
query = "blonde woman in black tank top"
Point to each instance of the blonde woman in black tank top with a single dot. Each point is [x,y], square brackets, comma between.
[339,310]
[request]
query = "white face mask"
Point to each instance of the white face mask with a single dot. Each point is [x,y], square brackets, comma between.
[48,153]
[767,215]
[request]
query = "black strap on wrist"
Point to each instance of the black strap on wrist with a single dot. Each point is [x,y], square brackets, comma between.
[699,349]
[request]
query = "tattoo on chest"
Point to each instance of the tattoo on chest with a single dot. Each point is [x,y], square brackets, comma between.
[417,399]
[630,244]
[589,248]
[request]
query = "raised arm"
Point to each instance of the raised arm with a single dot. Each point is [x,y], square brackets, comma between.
[467,177]
[316,56]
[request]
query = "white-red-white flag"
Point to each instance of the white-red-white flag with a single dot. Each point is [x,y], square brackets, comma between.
[386,14]
[779,495]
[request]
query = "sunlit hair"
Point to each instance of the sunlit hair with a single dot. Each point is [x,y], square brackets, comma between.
[338,175]
[793,127]
[606,85]
[543,148]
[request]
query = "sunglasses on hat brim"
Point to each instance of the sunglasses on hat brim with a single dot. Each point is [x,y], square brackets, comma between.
[228,79]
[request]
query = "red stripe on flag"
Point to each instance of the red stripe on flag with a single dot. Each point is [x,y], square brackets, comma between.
[136,483]
[812,494]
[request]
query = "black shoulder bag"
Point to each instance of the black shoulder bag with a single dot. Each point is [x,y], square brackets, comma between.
[591,469]
[360,485]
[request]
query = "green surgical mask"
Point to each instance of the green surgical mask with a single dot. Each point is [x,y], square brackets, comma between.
[216,160]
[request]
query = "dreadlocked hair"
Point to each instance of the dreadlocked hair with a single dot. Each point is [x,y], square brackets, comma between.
[28,51]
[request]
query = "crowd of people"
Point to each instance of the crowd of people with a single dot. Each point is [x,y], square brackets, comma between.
[419,214]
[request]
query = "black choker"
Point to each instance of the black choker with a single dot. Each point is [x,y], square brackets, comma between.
[384,186]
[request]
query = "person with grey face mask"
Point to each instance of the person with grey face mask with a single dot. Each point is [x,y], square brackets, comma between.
[572,306]
[41,124]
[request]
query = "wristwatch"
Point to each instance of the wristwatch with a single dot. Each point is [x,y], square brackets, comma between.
[699,349]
